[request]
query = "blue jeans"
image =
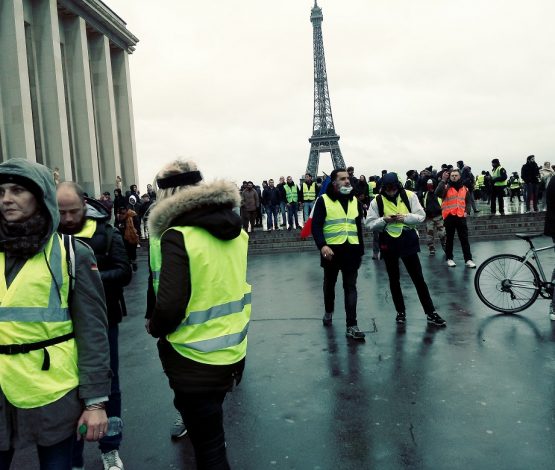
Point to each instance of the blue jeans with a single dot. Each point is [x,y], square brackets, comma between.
[292,210]
[307,208]
[272,217]
[113,406]
[531,193]
[283,209]
[55,457]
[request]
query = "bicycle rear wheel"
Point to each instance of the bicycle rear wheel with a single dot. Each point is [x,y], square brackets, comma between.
[507,284]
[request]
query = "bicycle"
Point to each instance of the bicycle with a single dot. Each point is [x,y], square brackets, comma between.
[509,283]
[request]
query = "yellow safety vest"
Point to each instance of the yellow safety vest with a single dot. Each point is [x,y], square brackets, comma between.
[515,184]
[372,188]
[480,181]
[88,229]
[496,174]
[31,311]
[309,194]
[340,227]
[216,320]
[389,208]
[291,193]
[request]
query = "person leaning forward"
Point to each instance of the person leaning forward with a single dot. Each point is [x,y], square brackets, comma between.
[337,232]
[395,213]
[199,301]
[87,220]
[47,393]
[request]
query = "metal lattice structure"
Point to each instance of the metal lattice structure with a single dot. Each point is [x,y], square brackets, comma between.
[324,138]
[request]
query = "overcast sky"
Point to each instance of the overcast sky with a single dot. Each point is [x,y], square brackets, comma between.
[229,83]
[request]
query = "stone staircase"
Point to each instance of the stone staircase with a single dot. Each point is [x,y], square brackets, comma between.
[479,228]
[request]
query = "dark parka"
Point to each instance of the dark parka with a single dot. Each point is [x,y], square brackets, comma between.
[112,260]
[550,212]
[209,206]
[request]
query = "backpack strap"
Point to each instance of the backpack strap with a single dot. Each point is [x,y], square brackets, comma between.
[379,202]
[404,198]
[69,244]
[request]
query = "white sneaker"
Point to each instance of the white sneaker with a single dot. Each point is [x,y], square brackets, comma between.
[552,312]
[552,316]
[451,263]
[111,460]
[470,264]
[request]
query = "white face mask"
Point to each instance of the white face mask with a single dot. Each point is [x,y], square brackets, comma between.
[345,190]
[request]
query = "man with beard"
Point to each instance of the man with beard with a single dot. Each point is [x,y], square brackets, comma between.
[455,196]
[88,221]
[337,232]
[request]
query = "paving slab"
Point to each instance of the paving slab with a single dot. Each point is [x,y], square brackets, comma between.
[475,395]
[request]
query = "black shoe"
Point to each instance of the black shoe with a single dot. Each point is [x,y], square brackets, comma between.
[401,318]
[327,319]
[434,319]
[355,333]
[289,229]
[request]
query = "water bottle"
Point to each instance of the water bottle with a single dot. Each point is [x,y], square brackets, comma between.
[115,426]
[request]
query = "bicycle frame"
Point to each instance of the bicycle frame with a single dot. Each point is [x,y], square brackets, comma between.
[531,254]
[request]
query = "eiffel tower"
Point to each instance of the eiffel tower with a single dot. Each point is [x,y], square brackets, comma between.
[324,138]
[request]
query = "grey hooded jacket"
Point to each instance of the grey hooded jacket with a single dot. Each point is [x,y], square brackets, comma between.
[57,421]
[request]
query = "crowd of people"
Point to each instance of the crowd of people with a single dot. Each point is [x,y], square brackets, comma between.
[286,199]
[67,259]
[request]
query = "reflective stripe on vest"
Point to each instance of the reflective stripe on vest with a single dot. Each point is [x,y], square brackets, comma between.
[340,227]
[454,202]
[389,208]
[515,184]
[88,229]
[216,320]
[309,194]
[291,193]
[33,310]
[496,174]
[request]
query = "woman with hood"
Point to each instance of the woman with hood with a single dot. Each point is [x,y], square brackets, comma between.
[199,300]
[54,363]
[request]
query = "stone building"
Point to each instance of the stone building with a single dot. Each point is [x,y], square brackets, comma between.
[65,96]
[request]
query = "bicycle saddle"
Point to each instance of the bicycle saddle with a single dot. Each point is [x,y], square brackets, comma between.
[528,236]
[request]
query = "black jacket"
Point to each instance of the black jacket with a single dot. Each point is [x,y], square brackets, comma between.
[345,255]
[550,212]
[112,261]
[271,196]
[530,172]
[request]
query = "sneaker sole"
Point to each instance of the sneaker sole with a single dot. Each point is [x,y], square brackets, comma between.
[436,324]
[358,338]
[179,436]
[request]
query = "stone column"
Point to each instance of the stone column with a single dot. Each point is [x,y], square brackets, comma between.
[17,133]
[51,83]
[124,116]
[81,103]
[105,111]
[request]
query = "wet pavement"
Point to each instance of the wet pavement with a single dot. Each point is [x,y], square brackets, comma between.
[478,394]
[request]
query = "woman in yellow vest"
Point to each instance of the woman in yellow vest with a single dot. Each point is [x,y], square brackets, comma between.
[198,299]
[54,363]
[395,213]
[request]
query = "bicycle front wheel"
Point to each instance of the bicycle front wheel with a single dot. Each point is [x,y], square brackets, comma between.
[507,284]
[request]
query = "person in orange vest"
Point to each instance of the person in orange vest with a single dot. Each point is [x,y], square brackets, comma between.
[455,196]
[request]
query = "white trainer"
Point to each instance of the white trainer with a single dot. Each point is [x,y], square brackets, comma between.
[451,263]
[470,264]
[111,460]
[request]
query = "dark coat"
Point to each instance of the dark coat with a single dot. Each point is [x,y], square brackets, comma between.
[271,196]
[209,206]
[530,172]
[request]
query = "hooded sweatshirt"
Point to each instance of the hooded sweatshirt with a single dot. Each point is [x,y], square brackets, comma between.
[52,423]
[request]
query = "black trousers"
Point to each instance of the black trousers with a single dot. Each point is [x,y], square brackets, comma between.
[412,263]
[203,416]
[453,223]
[497,192]
[331,272]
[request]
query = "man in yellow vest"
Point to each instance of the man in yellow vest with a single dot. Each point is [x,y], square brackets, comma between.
[87,220]
[455,196]
[395,213]
[54,361]
[499,183]
[337,232]
[292,202]
[308,195]
[199,301]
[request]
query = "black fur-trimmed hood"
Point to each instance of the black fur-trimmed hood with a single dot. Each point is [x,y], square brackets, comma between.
[206,205]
